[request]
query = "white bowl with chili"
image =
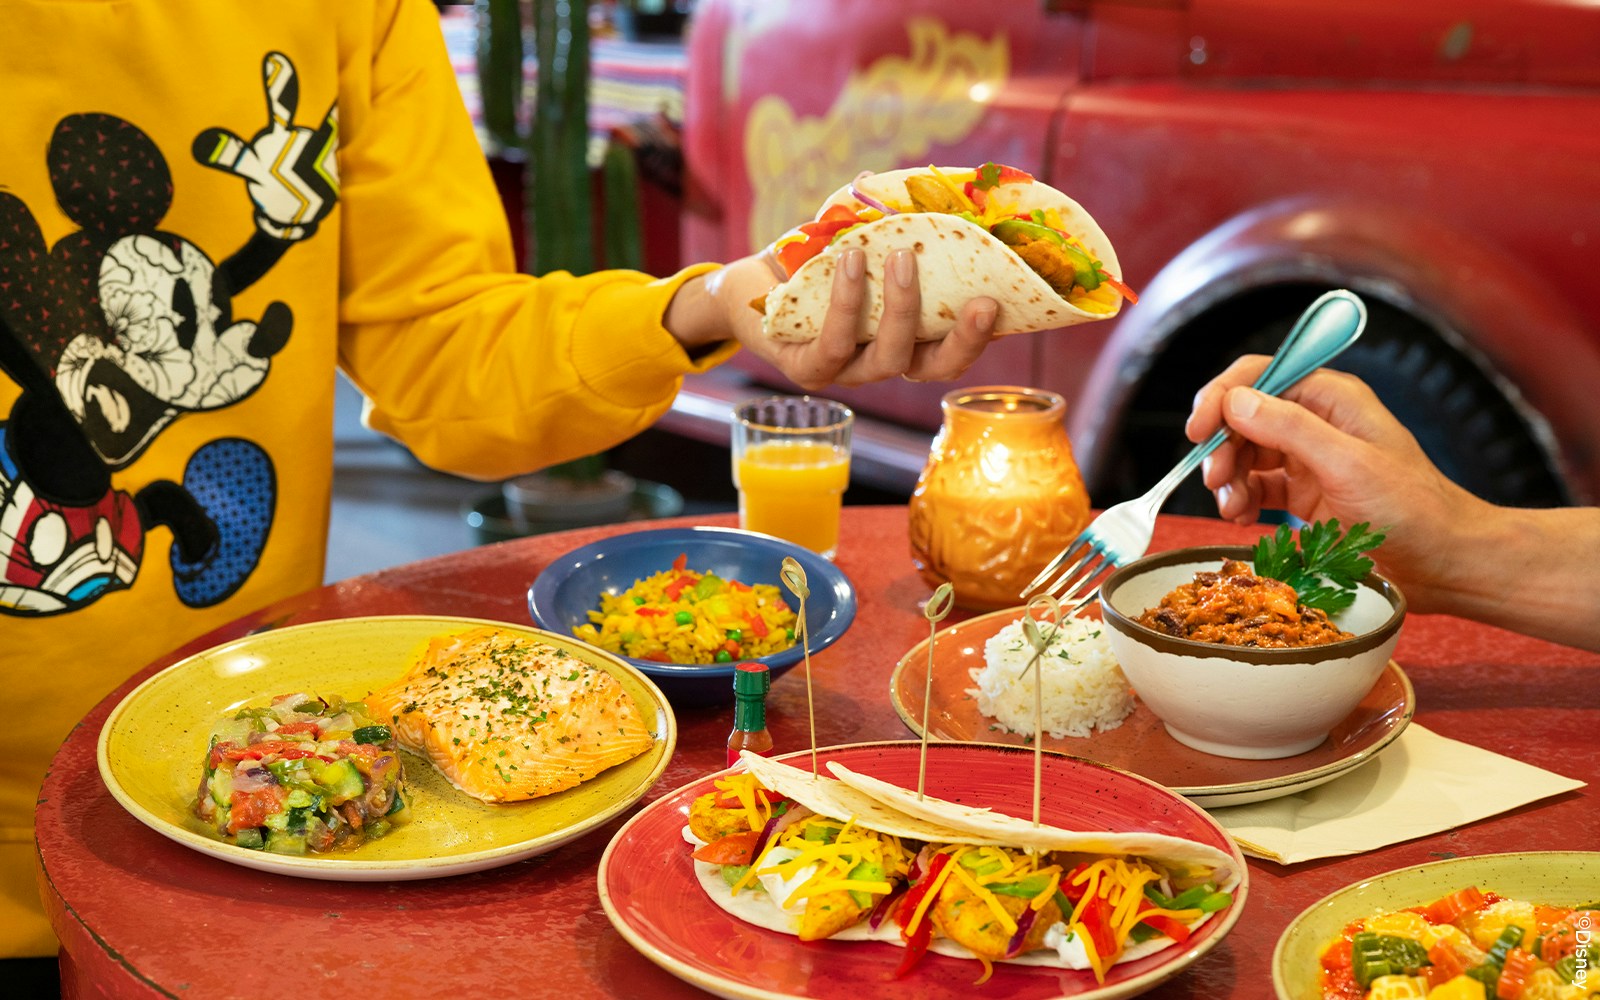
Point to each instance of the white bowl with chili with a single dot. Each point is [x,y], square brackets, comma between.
[1220,655]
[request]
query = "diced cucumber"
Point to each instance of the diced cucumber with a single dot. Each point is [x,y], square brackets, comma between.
[250,838]
[285,841]
[341,781]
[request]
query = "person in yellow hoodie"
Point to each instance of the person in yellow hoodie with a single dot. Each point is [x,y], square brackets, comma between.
[204,209]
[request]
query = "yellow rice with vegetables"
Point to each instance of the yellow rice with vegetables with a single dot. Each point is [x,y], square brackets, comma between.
[684,616]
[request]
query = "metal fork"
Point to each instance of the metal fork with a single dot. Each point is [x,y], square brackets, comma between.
[1122,533]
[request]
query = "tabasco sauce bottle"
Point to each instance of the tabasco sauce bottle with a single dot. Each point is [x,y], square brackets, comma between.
[750,684]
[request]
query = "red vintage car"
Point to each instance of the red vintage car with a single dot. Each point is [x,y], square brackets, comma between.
[1440,158]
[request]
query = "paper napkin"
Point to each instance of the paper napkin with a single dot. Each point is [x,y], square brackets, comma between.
[1423,784]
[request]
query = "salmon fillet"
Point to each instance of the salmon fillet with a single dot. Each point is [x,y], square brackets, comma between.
[508,718]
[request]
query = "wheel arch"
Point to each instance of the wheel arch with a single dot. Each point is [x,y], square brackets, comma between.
[1537,352]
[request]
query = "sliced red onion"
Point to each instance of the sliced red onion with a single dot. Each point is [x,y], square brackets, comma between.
[776,825]
[1020,938]
[866,199]
[886,904]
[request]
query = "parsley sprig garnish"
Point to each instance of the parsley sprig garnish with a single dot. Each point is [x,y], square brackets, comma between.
[1324,567]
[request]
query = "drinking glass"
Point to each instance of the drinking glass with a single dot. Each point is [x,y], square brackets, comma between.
[791,464]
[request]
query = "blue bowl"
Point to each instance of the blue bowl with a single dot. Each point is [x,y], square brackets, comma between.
[570,587]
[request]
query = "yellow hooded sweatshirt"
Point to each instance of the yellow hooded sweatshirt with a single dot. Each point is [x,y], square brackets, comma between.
[205,207]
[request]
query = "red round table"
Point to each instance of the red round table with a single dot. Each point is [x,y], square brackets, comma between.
[141,916]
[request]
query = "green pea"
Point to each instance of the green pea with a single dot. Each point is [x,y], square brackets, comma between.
[737,635]
[723,656]
[683,618]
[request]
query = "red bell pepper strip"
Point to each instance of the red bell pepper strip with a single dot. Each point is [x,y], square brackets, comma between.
[646,612]
[815,238]
[1119,287]
[1096,921]
[677,586]
[921,935]
[734,849]
[758,625]
[682,562]
[1172,927]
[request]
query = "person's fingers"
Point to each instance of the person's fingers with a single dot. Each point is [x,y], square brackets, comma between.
[1276,425]
[941,360]
[1205,416]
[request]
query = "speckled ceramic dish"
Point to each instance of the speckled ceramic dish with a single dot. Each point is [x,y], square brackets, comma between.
[649,890]
[152,745]
[1564,878]
[1142,744]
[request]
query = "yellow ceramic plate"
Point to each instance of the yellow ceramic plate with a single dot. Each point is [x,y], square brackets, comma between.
[152,746]
[1560,878]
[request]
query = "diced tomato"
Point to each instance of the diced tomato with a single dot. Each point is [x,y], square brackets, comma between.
[682,562]
[308,727]
[251,809]
[1452,907]
[734,849]
[758,625]
[1340,984]
[1514,976]
[283,749]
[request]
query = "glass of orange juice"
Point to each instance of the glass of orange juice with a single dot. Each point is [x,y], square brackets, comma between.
[791,464]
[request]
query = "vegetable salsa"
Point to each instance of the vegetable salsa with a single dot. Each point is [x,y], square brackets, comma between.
[684,616]
[1469,945]
[305,773]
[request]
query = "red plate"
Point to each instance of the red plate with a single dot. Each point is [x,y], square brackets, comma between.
[648,887]
[1141,744]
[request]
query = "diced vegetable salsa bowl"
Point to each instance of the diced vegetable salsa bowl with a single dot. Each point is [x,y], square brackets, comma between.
[686,605]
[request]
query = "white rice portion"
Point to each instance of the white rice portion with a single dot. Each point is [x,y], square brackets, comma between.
[1083,687]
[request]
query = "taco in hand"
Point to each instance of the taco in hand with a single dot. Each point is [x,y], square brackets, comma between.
[993,231]
[822,858]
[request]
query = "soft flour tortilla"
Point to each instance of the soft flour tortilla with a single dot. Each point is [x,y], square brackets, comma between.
[840,800]
[956,260]
[1012,831]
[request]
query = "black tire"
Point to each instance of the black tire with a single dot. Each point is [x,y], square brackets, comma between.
[1463,421]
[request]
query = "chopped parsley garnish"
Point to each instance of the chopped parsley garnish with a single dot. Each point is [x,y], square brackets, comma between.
[1324,567]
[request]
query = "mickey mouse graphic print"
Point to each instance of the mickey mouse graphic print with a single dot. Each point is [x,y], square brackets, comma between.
[118,330]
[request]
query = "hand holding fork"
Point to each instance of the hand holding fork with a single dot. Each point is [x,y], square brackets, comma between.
[1122,533]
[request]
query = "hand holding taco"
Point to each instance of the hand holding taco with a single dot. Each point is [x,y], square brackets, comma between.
[993,231]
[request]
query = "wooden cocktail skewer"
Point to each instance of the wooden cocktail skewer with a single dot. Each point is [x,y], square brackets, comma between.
[794,577]
[935,610]
[1039,639]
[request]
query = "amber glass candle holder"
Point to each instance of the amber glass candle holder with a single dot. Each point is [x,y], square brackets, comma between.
[1000,496]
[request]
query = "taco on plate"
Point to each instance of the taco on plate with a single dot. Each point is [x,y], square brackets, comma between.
[821,857]
[993,231]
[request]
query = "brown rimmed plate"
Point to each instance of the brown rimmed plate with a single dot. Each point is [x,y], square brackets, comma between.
[1141,744]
